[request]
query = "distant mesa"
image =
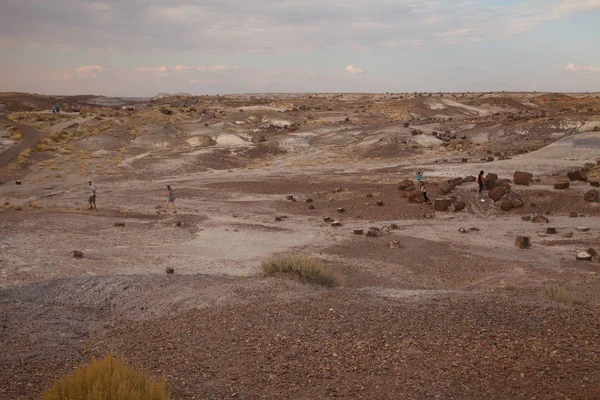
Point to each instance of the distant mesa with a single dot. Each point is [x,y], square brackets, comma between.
[161,96]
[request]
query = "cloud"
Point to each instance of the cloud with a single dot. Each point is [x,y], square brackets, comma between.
[88,71]
[580,68]
[261,26]
[354,70]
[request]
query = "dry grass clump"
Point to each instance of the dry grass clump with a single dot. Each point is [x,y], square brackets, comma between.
[559,294]
[17,135]
[35,204]
[109,379]
[307,268]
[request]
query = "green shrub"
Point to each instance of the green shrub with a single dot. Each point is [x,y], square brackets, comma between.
[307,268]
[108,379]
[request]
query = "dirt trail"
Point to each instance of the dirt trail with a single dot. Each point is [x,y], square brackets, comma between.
[31,137]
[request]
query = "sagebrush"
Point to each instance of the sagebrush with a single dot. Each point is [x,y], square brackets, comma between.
[109,379]
[307,268]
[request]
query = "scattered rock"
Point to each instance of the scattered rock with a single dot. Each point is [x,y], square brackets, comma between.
[119,224]
[462,230]
[592,252]
[582,229]
[338,190]
[358,231]
[290,197]
[311,207]
[279,219]
[463,160]
[380,203]
[166,111]
[428,216]
[416,197]
[341,210]
[522,242]
[394,227]
[406,185]
[526,218]
[583,256]
[309,200]
[551,230]
[573,214]
[327,219]
[506,204]
[561,185]
[490,180]
[373,232]
[470,178]
[369,195]
[498,192]
[77,254]
[180,224]
[540,219]
[489,159]
[578,175]
[394,244]
[592,195]
[458,206]
[17,182]
[169,271]
[522,178]
[446,188]
[336,223]
[595,183]
[474,229]
[568,235]
[443,203]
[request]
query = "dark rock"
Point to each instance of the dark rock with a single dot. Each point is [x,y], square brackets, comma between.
[165,111]
[358,231]
[595,183]
[577,176]
[311,207]
[380,203]
[77,254]
[462,230]
[309,200]
[458,205]
[561,185]
[463,160]
[336,223]
[443,203]
[498,192]
[522,242]
[592,195]
[394,227]
[522,178]
[506,205]
[416,197]
[592,252]
[369,195]
[474,229]
[119,224]
[290,197]
[489,159]
[446,188]
[573,214]
[338,190]
[551,230]
[406,185]
[341,210]
[17,182]
[470,179]
[526,218]
[490,181]
[327,219]
[169,271]
[373,232]
[279,219]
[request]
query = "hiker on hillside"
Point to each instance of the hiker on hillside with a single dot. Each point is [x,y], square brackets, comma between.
[170,199]
[424,191]
[419,176]
[480,181]
[92,199]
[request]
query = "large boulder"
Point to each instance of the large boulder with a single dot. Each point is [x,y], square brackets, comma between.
[592,195]
[443,203]
[458,205]
[446,188]
[416,197]
[406,185]
[498,192]
[470,178]
[523,242]
[490,181]
[522,178]
[506,205]
[578,175]
[540,219]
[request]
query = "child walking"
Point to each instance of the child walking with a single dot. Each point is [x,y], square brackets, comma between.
[424,191]
[170,199]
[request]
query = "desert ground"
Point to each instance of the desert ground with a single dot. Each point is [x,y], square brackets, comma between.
[439,301]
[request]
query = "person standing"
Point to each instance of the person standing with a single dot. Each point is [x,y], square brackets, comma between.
[419,176]
[424,191]
[170,199]
[92,199]
[480,181]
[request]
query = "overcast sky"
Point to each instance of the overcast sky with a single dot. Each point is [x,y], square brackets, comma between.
[141,47]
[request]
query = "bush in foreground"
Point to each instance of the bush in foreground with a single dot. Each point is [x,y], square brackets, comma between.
[108,379]
[306,268]
[559,294]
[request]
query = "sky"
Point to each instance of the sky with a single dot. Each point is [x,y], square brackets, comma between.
[142,47]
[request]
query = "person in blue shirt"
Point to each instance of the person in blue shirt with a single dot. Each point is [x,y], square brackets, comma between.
[170,199]
[419,176]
